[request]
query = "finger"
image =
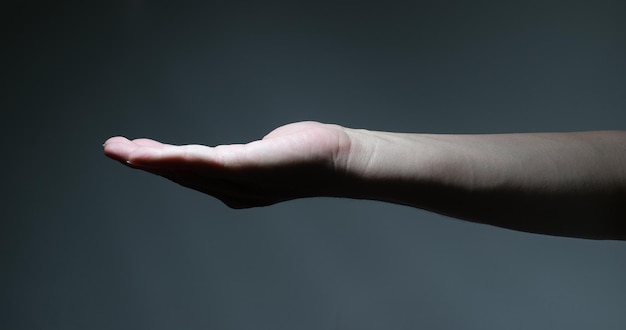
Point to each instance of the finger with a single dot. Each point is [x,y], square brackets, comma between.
[148,143]
[169,156]
[119,148]
[115,139]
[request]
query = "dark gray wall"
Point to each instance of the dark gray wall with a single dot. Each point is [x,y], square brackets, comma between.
[89,244]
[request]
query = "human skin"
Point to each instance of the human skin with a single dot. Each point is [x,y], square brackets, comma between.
[566,184]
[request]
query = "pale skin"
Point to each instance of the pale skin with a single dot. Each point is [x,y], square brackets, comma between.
[566,184]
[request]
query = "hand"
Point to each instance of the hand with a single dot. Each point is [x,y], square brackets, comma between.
[297,160]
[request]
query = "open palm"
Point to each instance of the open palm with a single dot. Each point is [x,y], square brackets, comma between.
[293,161]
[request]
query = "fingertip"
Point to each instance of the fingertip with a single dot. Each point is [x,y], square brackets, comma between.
[118,149]
[115,139]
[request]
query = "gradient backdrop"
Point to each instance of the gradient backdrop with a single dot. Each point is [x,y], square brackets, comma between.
[90,244]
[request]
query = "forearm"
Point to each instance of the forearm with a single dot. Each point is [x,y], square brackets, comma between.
[570,184]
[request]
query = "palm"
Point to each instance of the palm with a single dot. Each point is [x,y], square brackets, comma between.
[295,160]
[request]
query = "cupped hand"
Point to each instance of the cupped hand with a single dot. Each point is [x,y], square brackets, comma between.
[297,160]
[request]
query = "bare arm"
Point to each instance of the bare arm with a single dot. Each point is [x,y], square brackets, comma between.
[571,184]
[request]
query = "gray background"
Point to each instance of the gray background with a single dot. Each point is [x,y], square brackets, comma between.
[89,244]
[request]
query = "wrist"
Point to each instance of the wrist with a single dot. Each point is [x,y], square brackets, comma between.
[388,166]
